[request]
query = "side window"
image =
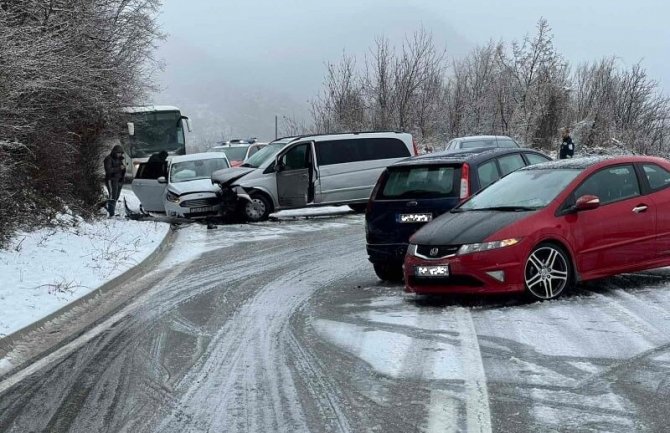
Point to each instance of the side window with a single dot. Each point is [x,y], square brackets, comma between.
[296,158]
[338,151]
[384,148]
[611,184]
[507,143]
[359,149]
[510,163]
[657,176]
[534,158]
[488,173]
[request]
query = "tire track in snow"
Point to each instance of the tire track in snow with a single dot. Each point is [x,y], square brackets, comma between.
[246,372]
[441,413]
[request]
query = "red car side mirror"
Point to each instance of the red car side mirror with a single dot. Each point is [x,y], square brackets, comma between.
[587,202]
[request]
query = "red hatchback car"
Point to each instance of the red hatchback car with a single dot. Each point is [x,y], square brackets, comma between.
[544,227]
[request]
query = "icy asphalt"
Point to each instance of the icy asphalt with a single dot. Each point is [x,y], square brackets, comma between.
[283,327]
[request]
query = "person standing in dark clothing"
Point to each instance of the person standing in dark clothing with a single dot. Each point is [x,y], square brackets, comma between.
[567,146]
[115,172]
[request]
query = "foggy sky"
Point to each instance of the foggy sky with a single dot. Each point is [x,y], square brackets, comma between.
[233,65]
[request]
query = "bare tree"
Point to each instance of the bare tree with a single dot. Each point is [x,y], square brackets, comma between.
[340,107]
[523,89]
[378,84]
[66,69]
[291,126]
[418,63]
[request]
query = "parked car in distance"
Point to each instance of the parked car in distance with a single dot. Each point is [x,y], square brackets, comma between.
[476,141]
[545,227]
[186,191]
[312,170]
[238,152]
[414,191]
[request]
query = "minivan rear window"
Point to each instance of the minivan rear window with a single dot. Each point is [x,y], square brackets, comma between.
[359,149]
[419,182]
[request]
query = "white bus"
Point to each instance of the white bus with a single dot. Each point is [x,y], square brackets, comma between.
[151,129]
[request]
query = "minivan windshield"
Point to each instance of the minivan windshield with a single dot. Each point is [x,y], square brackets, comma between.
[263,155]
[528,189]
[419,182]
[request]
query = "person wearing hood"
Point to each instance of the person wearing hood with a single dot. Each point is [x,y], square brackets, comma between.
[567,149]
[115,172]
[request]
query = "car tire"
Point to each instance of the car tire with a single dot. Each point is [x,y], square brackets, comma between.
[258,209]
[548,272]
[358,208]
[387,272]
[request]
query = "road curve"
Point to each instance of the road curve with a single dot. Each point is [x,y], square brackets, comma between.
[283,327]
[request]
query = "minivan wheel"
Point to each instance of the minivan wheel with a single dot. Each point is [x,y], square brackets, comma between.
[258,209]
[548,272]
[388,272]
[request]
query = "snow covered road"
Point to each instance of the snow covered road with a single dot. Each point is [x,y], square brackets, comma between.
[283,326]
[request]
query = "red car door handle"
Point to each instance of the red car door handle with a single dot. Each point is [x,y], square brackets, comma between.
[640,208]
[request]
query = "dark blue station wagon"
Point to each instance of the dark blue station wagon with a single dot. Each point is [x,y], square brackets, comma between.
[414,191]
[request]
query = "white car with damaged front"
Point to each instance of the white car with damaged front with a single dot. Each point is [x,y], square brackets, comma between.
[187,190]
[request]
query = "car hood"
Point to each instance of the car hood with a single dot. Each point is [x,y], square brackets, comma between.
[465,227]
[228,175]
[191,186]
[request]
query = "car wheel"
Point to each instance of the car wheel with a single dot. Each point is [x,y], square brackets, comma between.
[258,209]
[386,272]
[358,208]
[548,272]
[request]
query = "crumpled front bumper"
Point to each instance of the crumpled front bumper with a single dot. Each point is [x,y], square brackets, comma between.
[232,197]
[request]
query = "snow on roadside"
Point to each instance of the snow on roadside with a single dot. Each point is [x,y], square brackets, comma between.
[47,269]
[312,211]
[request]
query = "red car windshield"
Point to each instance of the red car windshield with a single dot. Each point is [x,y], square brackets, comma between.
[523,189]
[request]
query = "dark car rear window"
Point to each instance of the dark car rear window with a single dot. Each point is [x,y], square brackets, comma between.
[419,182]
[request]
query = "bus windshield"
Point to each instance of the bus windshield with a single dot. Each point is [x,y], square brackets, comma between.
[156,131]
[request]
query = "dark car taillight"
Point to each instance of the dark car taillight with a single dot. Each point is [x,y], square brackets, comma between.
[465,183]
[416,146]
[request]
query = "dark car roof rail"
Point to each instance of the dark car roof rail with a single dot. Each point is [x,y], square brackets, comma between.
[460,156]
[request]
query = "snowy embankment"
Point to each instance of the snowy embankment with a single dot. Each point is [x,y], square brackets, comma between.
[47,269]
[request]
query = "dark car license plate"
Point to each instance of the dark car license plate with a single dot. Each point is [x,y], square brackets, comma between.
[415,218]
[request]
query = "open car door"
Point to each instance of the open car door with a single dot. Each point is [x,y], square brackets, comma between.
[148,189]
[294,168]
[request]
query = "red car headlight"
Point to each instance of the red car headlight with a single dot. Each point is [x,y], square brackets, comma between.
[486,246]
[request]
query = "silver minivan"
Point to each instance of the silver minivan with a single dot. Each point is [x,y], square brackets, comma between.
[314,170]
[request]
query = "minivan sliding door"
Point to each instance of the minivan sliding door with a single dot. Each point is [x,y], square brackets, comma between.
[295,183]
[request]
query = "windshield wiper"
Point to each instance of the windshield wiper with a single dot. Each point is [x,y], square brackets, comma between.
[246,164]
[506,208]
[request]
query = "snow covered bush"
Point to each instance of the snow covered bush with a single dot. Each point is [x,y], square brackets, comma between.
[66,69]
